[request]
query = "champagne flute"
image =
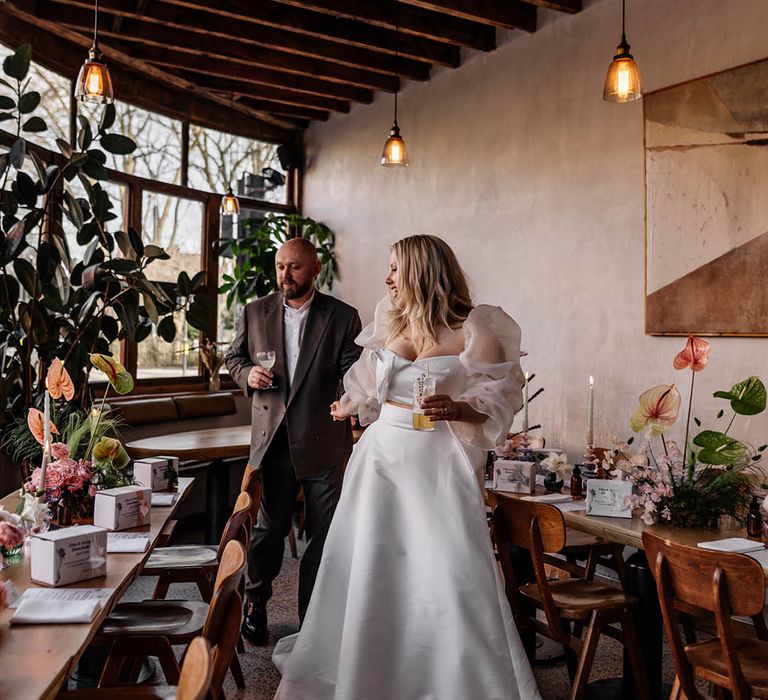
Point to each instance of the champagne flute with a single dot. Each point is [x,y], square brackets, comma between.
[266,360]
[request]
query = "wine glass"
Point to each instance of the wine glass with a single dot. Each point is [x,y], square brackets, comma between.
[266,360]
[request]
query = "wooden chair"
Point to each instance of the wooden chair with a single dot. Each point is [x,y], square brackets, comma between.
[691,580]
[194,681]
[150,628]
[198,563]
[539,528]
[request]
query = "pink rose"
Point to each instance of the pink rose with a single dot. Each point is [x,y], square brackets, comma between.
[59,450]
[92,490]
[53,478]
[65,463]
[10,535]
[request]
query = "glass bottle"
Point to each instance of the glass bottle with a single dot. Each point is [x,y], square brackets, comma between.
[64,509]
[754,519]
[577,483]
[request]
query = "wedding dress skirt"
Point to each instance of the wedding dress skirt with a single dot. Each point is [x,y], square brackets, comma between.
[408,603]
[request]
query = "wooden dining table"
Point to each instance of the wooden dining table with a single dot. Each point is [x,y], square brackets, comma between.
[36,660]
[639,583]
[214,445]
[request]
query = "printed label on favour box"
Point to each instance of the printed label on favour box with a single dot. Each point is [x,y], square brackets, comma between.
[123,508]
[69,555]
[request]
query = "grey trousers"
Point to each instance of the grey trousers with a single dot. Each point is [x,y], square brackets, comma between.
[279,488]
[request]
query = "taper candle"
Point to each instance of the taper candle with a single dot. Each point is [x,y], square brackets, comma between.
[591,411]
[525,404]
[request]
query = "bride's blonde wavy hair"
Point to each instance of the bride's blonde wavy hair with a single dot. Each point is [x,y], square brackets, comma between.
[432,291]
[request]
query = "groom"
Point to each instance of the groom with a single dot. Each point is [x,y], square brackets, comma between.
[293,436]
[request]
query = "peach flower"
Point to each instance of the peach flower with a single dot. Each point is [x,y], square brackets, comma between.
[58,382]
[36,423]
[694,355]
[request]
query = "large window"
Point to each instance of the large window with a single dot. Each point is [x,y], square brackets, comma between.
[252,168]
[158,141]
[54,103]
[171,206]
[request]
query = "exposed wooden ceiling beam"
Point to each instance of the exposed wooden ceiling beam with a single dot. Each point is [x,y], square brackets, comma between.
[239,54]
[344,31]
[117,21]
[407,20]
[200,19]
[508,14]
[570,6]
[55,49]
[290,111]
[264,92]
[222,68]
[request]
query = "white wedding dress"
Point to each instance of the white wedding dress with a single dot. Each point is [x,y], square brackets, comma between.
[408,602]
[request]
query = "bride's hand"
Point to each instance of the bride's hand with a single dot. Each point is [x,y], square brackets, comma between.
[440,407]
[337,413]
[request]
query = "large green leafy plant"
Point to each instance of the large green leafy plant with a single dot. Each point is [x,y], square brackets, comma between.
[52,302]
[254,271]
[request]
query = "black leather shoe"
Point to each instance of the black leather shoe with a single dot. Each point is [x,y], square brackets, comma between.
[254,627]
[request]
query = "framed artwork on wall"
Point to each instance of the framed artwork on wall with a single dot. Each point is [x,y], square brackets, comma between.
[706,182]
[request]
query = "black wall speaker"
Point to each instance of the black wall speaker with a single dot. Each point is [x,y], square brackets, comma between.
[290,156]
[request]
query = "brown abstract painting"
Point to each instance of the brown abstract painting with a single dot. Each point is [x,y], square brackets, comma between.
[706,157]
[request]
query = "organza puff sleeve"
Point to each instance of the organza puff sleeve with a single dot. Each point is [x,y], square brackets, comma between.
[491,359]
[365,384]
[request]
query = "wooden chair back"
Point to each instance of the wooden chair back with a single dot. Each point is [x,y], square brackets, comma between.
[222,624]
[719,582]
[251,484]
[237,525]
[196,671]
[539,528]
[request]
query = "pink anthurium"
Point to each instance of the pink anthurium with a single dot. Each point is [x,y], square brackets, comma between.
[658,409]
[58,382]
[36,423]
[694,355]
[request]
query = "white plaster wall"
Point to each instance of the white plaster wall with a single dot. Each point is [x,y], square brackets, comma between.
[537,183]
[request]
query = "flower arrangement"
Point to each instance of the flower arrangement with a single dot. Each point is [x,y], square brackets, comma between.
[212,360]
[84,459]
[11,532]
[710,477]
[556,465]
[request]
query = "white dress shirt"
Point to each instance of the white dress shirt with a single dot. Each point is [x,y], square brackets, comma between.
[294,323]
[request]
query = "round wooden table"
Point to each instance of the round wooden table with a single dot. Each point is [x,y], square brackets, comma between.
[214,444]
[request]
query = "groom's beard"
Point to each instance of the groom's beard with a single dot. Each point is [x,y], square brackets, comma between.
[293,290]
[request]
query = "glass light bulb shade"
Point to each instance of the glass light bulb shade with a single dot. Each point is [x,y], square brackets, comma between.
[94,83]
[622,83]
[395,154]
[229,204]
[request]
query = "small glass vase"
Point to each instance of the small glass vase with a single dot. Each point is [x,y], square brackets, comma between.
[552,483]
[214,382]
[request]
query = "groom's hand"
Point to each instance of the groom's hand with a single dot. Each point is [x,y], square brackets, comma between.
[259,378]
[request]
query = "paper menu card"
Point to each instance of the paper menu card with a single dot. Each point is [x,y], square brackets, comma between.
[118,542]
[549,498]
[163,500]
[732,544]
[47,612]
[64,594]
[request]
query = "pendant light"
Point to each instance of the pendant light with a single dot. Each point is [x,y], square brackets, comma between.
[229,204]
[395,154]
[94,83]
[622,84]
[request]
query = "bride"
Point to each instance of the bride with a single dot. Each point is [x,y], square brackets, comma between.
[408,603]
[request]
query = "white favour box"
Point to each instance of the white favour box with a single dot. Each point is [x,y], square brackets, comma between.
[151,472]
[123,508]
[61,557]
[609,497]
[512,476]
